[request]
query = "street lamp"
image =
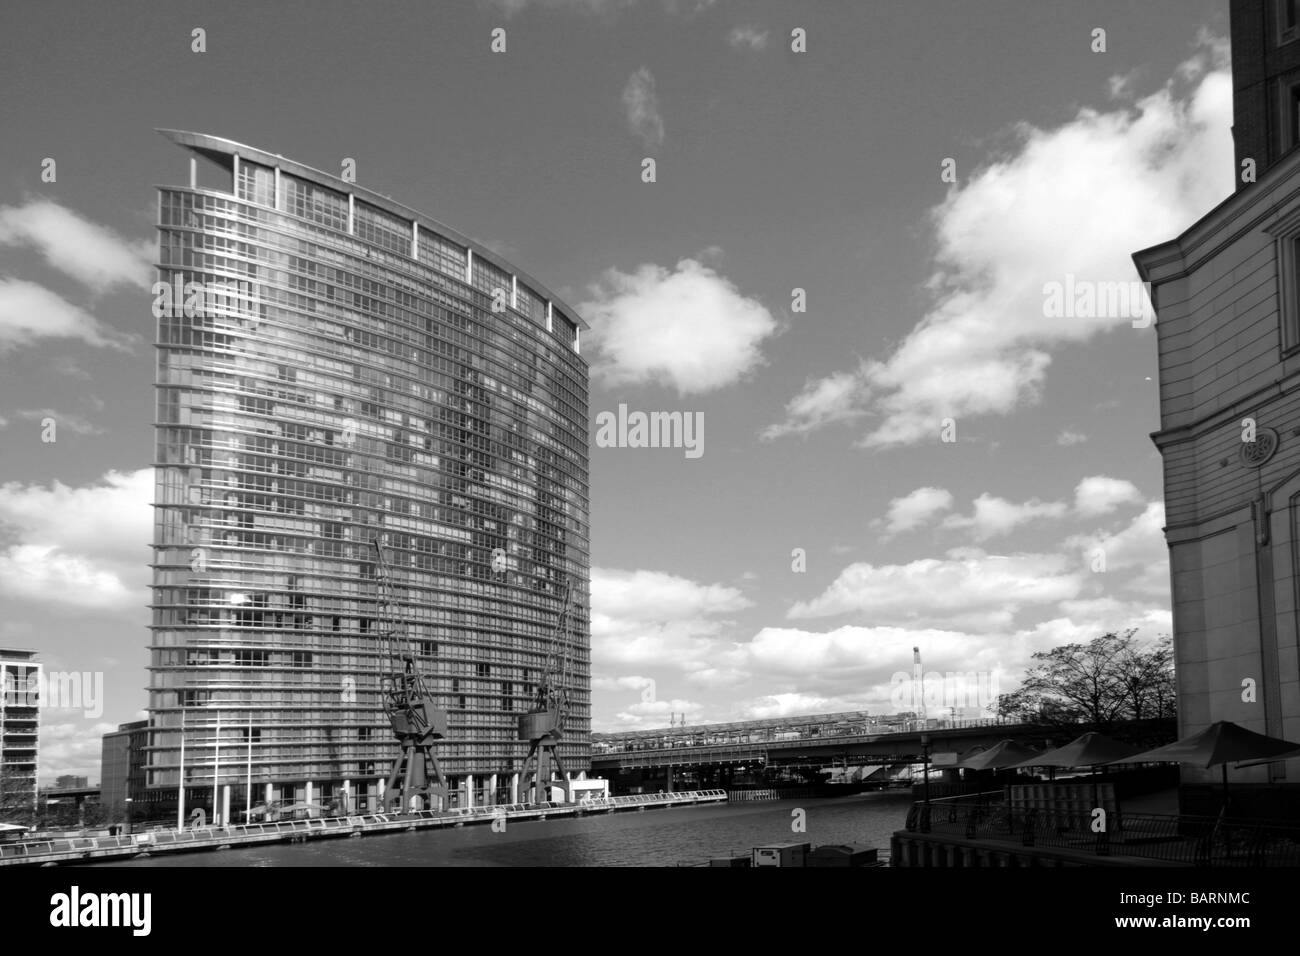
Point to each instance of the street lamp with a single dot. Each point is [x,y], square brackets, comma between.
[128,815]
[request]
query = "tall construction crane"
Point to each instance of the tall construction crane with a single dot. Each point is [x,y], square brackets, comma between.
[918,685]
[543,724]
[416,721]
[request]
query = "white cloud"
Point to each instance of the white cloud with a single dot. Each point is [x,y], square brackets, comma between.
[641,106]
[30,312]
[992,516]
[646,714]
[1068,437]
[654,595]
[84,548]
[510,7]
[747,37]
[968,589]
[794,705]
[651,618]
[63,421]
[688,328]
[823,401]
[884,650]
[1136,557]
[72,748]
[92,254]
[1099,495]
[916,508]
[1078,200]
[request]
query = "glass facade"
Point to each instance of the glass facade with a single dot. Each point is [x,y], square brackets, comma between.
[327,378]
[21,684]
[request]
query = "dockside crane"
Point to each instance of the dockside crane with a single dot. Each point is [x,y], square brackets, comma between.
[543,724]
[416,720]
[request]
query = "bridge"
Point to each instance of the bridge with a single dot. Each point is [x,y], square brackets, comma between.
[890,746]
[723,754]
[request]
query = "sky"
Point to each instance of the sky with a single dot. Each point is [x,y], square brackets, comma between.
[838,271]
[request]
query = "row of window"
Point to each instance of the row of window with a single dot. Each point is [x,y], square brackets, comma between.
[391,286]
[185,209]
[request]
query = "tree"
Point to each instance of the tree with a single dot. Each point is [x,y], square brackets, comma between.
[17,797]
[1146,679]
[1109,679]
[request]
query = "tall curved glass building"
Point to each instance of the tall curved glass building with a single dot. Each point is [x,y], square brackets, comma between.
[335,369]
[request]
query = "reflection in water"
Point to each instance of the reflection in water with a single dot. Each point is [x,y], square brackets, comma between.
[636,838]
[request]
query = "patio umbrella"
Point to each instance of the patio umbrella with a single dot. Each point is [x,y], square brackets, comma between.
[1288,755]
[1005,753]
[1217,744]
[1090,750]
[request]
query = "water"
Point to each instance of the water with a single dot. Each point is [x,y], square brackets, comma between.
[662,837]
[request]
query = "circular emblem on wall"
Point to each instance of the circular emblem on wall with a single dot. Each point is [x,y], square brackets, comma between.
[1255,453]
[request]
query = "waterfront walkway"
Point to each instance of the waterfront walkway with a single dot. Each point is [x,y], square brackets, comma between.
[987,830]
[91,848]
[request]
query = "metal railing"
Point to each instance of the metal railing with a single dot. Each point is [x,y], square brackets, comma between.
[1185,840]
[143,842]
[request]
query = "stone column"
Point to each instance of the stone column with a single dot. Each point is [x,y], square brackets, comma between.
[514,788]
[492,790]
[469,790]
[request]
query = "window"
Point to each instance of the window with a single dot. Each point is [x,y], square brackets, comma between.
[245,657]
[256,183]
[1286,20]
[1286,238]
[302,659]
